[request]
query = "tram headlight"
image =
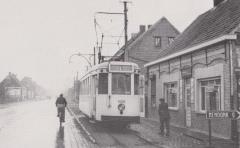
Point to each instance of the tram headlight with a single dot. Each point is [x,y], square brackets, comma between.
[121,108]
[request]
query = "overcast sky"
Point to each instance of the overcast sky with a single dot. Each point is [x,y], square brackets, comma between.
[37,37]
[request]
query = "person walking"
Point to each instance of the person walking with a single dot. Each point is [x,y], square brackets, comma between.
[164,117]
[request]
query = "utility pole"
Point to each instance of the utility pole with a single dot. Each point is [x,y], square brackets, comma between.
[94,56]
[125,28]
[125,22]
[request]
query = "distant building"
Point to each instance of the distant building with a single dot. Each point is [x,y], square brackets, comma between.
[196,73]
[11,89]
[30,87]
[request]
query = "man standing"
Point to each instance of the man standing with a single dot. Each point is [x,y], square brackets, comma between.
[164,117]
[61,103]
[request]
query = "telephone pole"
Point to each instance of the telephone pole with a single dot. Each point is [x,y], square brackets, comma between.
[125,27]
[94,56]
[125,22]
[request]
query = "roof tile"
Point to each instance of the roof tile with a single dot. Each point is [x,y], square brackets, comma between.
[216,22]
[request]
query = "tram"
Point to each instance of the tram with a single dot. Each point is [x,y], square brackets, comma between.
[113,92]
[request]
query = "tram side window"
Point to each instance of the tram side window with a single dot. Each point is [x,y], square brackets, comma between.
[103,83]
[136,84]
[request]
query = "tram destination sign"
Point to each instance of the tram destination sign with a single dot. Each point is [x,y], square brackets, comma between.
[223,115]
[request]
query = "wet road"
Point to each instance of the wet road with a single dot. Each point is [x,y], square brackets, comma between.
[35,125]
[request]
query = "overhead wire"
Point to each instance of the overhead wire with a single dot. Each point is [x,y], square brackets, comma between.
[97,27]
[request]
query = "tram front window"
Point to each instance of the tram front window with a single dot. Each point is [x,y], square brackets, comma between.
[103,83]
[121,84]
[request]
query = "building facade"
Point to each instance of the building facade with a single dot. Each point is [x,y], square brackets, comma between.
[146,45]
[196,73]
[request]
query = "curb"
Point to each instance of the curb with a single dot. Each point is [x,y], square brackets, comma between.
[83,127]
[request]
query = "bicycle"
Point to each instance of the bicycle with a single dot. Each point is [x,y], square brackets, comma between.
[60,113]
[60,119]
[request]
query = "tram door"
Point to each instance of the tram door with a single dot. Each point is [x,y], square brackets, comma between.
[187,100]
[94,85]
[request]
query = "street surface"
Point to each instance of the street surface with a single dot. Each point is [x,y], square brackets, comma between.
[112,135]
[35,125]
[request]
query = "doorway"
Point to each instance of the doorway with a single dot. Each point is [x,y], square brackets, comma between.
[187,101]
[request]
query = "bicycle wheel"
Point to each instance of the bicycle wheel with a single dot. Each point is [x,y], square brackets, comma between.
[60,119]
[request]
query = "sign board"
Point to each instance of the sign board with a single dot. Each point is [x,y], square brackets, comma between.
[121,68]
[223,115]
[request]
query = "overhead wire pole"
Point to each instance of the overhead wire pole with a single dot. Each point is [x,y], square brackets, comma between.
[125,28]
[125,10]
[94,54]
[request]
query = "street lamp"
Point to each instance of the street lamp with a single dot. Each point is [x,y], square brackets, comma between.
[82,55]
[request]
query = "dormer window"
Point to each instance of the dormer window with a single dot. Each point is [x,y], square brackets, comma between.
[157,41]
[170,40]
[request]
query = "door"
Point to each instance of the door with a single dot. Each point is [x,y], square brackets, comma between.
[153,109]
[187,100]
[142,94]
[94,85]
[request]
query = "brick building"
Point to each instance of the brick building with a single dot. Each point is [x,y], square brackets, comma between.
[196,72]
[146,45]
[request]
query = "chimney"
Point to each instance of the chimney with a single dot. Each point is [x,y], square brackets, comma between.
[133,35]
[142,28]
[149,26]
[216,2]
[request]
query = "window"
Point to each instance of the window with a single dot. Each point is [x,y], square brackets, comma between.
[136,84]
[210,94]
[170,40]
[121,83]
[171,94]
[157,41]
[103,83]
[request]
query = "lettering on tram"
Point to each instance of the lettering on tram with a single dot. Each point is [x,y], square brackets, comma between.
[112,92]
[118,68]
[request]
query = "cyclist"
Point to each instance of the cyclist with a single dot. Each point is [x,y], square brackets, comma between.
[61,103]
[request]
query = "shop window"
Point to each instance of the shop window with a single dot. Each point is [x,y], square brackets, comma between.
[210,94]
[171,94]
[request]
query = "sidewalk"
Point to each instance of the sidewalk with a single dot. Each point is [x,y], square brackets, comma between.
[179,137]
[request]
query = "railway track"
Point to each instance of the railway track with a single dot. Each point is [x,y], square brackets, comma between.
[122,137]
